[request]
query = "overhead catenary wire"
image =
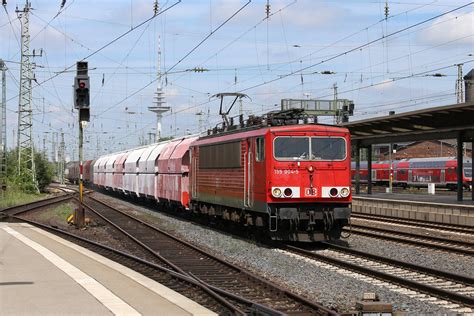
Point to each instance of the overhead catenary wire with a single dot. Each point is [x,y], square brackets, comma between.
[179,61]
[106,45]
[357,47]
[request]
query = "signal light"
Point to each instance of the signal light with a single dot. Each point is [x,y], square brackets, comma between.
[288,192]
[333,192]
[82,85]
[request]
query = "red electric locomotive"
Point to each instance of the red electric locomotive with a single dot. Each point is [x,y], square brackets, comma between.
[292,180]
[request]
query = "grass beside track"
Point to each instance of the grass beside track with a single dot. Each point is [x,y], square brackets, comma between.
[60,212]
[12,197]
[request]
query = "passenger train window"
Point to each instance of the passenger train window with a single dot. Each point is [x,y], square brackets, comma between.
[260,148]
[468,172]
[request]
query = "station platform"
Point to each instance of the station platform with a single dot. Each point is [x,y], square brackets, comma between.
[42,274]
[433,208]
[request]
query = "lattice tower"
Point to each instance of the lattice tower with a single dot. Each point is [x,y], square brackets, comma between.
[26,162]
[3,128]
[460,86]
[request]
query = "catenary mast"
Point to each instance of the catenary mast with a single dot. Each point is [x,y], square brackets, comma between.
[26,163]
[3,128]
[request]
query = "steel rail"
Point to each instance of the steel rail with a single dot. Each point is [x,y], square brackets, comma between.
[27,207]
[413,222]
[237,269]
[428,289]
[456,246]
[406,265]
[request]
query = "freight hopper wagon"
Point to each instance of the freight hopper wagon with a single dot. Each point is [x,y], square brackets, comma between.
[291,181]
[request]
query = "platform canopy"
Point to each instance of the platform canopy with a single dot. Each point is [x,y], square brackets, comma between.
[445,122]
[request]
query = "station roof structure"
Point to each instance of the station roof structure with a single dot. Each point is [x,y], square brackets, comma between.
[445,122]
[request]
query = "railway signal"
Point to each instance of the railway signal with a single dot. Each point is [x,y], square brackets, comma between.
[81,103]
[81,91]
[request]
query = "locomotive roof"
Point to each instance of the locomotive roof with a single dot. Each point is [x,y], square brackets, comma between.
[258,130]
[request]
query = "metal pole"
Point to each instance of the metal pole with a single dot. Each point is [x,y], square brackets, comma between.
[357,157]
[460,166]
[369,169]
[472,170]
[390,183]
[80,210]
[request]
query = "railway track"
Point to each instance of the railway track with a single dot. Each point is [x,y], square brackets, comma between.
[23,208]
[413,223]
[456,289]
[183,284]
[455,246]
[239,287]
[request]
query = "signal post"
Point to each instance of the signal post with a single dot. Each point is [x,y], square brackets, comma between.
[81,103]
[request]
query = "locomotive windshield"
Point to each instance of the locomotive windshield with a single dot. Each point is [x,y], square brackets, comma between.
[323,148]
[309,148]
[291,148]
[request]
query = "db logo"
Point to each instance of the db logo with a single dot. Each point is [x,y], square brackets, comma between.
[310,191]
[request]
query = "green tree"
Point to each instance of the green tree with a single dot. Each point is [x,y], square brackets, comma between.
[44,173]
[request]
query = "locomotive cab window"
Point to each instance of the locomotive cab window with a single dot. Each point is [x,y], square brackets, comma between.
[306,148]
[260,149]
[291,148]
[328,148]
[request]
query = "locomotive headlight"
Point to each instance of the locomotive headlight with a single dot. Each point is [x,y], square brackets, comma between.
[345,192]
[276,192]
[288,192]
[333,192]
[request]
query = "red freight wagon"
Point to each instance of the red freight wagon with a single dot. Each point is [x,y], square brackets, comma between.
[173,170]
[87,170]
[119,171]
[293,180]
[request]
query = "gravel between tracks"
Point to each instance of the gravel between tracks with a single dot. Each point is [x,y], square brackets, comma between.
[322,285]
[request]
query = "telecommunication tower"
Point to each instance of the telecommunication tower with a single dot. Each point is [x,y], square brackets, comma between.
[160,103]
[3,128]
[26,162]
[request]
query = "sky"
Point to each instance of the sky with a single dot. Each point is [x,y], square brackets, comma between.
[381,62]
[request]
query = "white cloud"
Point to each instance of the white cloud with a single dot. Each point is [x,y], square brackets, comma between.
[449,28]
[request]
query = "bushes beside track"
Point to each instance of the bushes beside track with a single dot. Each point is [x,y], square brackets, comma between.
[17,183]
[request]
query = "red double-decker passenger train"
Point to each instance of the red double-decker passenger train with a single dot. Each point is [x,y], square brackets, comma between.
[417,172]
[284,177]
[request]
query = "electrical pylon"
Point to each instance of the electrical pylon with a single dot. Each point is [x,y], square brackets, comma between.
[3,128]
[26,154]
[460,86]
